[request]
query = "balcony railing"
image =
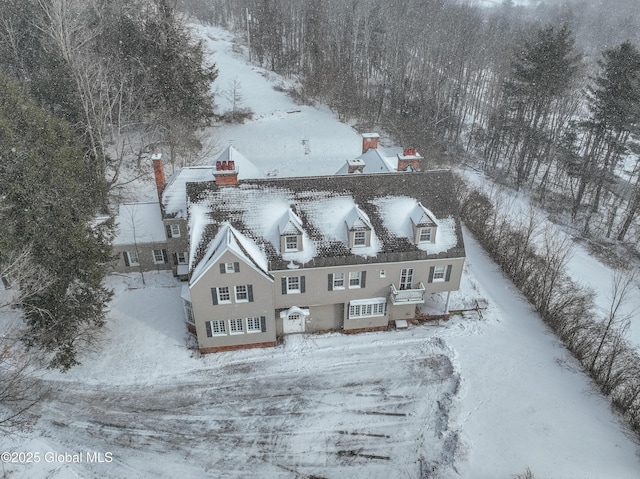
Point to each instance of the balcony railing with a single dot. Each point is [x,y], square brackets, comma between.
[407,296]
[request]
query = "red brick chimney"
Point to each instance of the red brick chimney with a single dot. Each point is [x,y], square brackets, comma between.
[369,140]
[226,173]
[409,160]
[158,173]
[354,165]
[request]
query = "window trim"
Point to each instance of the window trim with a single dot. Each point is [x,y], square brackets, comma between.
[236,326]
[373,307]
[130,258]
[359,242]
[439,270]
[256,326]
[185,256]
[342,280]
[175,230]
[155,257]
[237,291]
[289,249]
[228,293]
[291,290]
[359,279]
[408,275]
[425,229]
[220,328]
[188,312]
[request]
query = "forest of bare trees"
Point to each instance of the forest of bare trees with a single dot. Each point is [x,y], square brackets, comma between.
[545,98]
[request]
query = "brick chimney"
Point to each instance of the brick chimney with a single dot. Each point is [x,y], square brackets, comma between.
[369,140]
[355,165]
[226,173]
[409,160]
[158,173]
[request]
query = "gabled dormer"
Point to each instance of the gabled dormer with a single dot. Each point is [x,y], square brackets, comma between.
[424,225]
[291,232]
[359,228]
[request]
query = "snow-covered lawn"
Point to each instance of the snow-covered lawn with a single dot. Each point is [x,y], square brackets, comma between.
[474,397]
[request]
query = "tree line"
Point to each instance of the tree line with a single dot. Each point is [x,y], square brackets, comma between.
[461,82]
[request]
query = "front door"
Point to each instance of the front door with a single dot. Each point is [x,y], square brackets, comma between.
[293,323]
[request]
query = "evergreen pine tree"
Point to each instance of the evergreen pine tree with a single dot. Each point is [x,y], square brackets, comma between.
[48,200]
[542,72]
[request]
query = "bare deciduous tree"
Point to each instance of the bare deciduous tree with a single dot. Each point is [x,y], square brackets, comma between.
[20,387]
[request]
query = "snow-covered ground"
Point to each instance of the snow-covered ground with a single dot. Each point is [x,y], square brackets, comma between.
[479,396]
[584,268]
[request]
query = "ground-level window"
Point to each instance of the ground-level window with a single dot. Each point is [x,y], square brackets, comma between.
[235,326]
[367,307]
[254,325]
[188,311]
[216,328]
[131,258]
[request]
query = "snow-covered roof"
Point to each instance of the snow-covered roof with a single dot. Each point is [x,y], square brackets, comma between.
[174,196]
[421,216]
[230,239]
[374,162]
[139,223]
[325,209]
[357,218]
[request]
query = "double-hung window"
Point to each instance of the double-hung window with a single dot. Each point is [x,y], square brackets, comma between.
[338,280]
[254,325]
[131,258]
[242,294]
[182,257]
[175,231]
[291,243]
[224,295]
[216,327]
[359,238]
[355,279]
[236,326]
[439,273]
[159,256]
[293,284]
[425,235]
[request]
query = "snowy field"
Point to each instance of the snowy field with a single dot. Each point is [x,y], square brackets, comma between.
[480,396]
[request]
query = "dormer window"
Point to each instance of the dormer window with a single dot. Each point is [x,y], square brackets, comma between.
[424,225]
[291,232]
[291,243]
[359,228]
[426,235]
